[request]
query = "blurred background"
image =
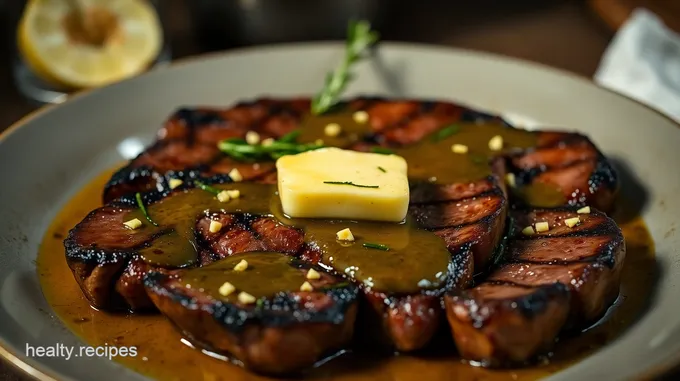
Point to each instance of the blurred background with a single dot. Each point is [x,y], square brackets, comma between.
[568,34]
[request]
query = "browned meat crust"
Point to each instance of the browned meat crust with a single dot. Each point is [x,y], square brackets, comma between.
[470,218]
[284,334]
[563,278]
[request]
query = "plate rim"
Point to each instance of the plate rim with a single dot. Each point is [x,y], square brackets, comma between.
[41,372]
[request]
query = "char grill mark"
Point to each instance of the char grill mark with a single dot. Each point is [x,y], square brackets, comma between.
[103,254]
[572,163]
[288,332]
[425,121]
[188,143]
[242,233]
[469,218]
[580,267]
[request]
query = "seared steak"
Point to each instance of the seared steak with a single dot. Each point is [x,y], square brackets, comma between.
[537,285]
[283,332]
[187,143]
[563,278]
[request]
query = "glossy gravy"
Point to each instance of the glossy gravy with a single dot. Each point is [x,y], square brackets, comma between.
[163,355]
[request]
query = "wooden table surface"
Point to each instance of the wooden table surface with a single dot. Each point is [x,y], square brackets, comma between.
[563,34]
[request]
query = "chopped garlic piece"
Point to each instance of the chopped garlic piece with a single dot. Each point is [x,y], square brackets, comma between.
[252,138]
[215,226]
[313,274]
[571,222]
[306,287]
[459,148]
[223,196]
[510,180]
[133,224]
[241,266]
[235,193]
[584,210]
[528,230]
[245,298]
[542,227]
[318,142]
[345,235]
[235,175]
[226,289]
[360,117]
[174,183]
[332,130]
[267,142]
[496,143]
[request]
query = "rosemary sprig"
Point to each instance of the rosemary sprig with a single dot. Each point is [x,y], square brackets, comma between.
[207,188]
[377,246]
[240,150]
[445,133]
[383,170]
[350,183]
[382,150]
[140,204]
[359,38]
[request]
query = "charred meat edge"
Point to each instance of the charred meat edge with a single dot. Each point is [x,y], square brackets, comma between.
[516,314]
[285,334]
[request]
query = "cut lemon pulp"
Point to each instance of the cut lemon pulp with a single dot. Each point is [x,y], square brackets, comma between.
[102,42]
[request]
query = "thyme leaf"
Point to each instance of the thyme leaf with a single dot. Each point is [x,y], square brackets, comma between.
[142,207]
[445,132]
[207,188]
[350,183]
[377,246]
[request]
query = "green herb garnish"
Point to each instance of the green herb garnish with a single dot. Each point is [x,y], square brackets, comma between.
[290,137]
[240,150]
[141,206]
[350,183]
[377,246]
[445,133]
[382,150]
[207,188]
[359,38]
[383,170]
[333,286]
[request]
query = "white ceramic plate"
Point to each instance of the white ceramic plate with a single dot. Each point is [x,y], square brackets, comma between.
[47,157]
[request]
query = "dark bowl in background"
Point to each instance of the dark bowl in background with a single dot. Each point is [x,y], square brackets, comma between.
[226,23]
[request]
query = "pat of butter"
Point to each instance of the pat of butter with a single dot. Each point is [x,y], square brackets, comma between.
[382,194]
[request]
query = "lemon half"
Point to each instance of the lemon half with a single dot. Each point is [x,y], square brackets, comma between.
[108,40]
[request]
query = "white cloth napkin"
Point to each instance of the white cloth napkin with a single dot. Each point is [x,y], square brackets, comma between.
[643,62]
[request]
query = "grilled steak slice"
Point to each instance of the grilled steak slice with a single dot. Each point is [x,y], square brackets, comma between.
[494,324]
[468,212]
[569,163]
[280,330]
[408,312]
[562,278]
[188,144]
[108,259]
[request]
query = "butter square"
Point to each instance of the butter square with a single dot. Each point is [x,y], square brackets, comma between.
[305,192]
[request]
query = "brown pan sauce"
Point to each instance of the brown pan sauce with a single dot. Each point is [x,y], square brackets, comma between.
[163,355]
